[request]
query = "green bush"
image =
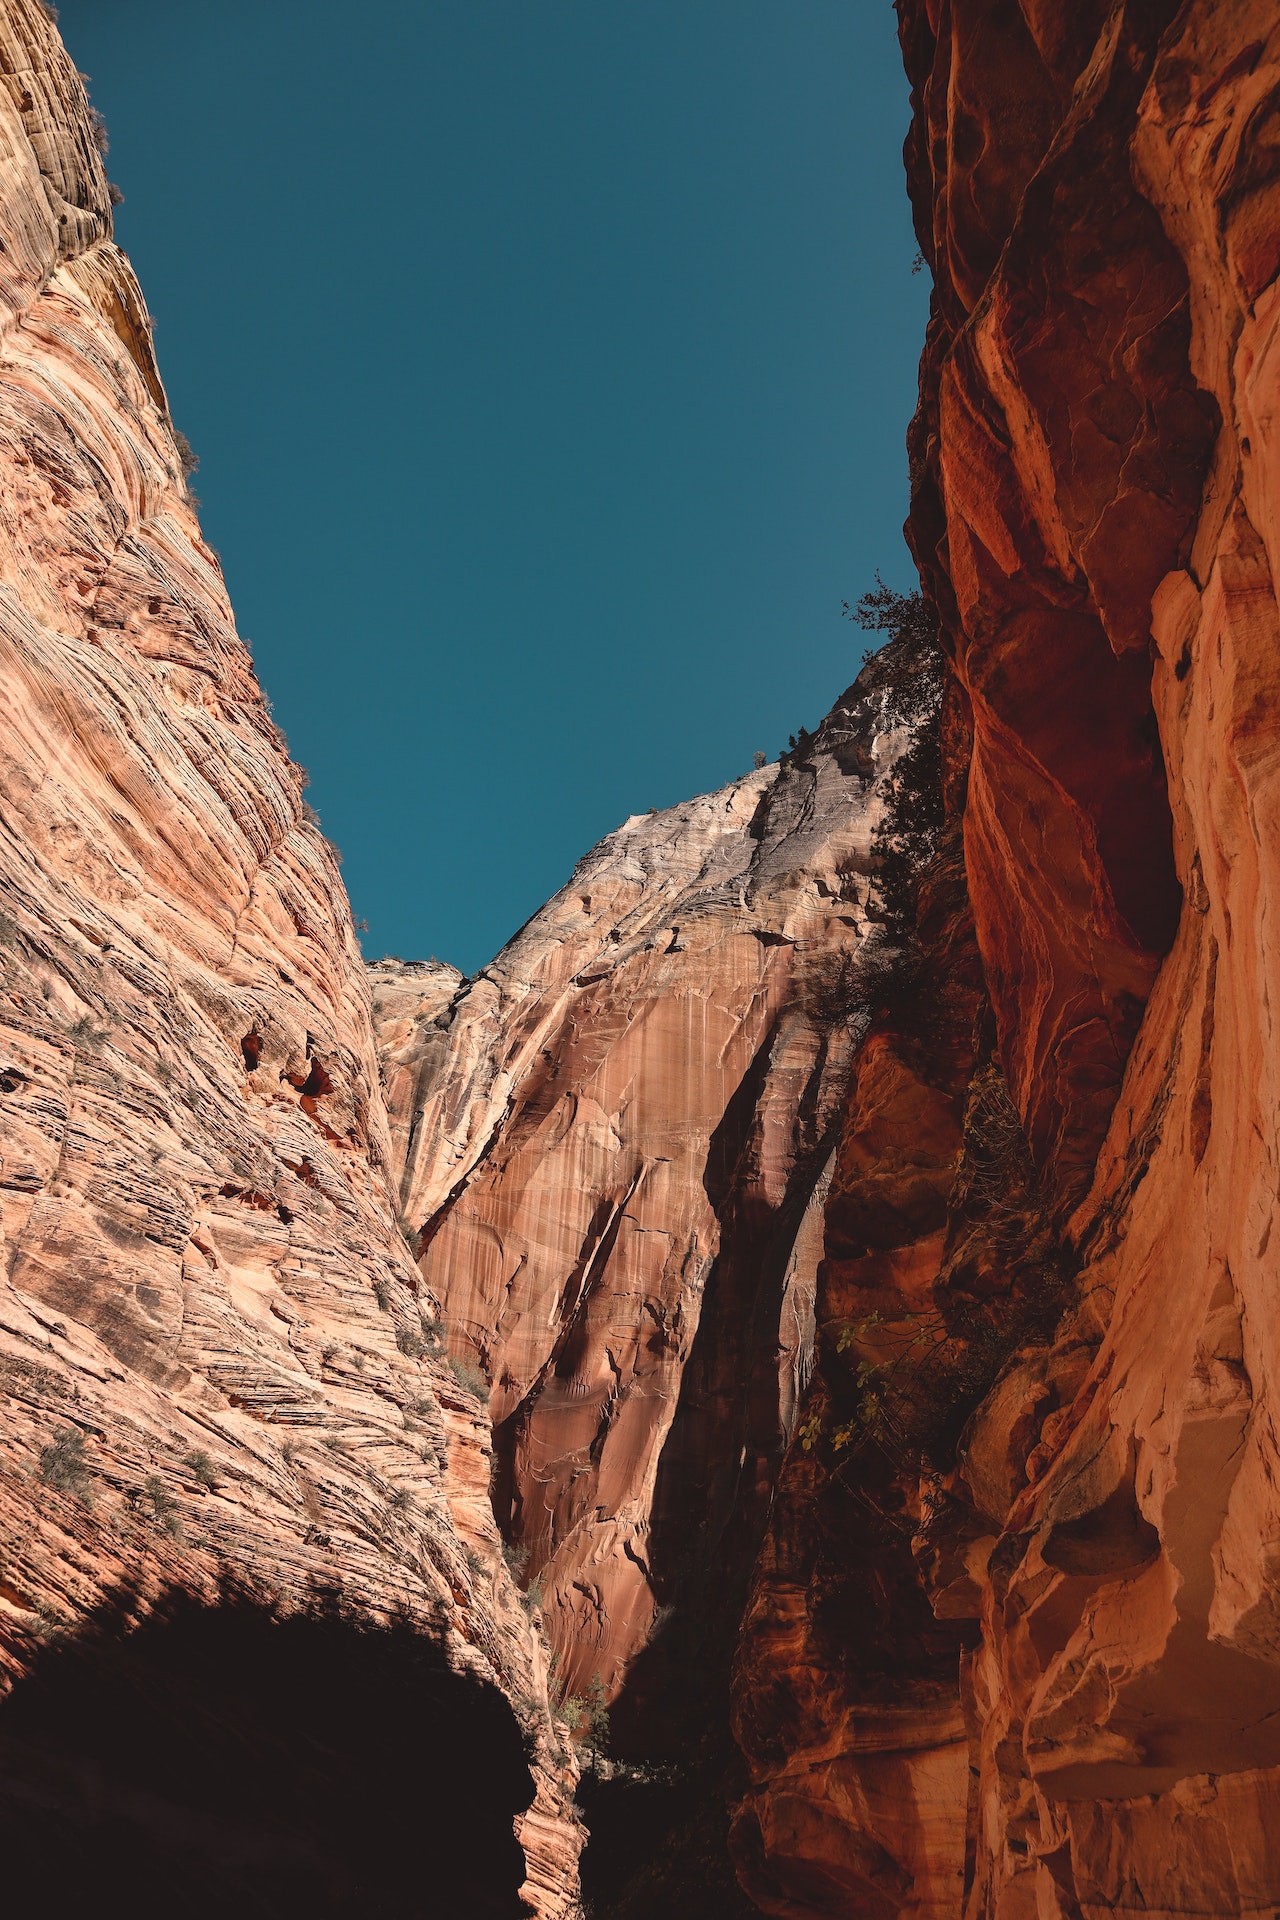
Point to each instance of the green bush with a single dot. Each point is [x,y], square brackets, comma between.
[909,674]
[201,1468]
[163,1505]
[468,1377]
[587,1716]
[63,1465]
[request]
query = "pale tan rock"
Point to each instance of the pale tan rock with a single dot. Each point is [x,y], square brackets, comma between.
[609,1125]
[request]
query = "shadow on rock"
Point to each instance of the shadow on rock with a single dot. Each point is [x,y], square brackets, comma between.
[226,1758]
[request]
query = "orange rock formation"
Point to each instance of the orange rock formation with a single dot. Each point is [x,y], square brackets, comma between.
[207,1309]
[1095,513]
[1004,1621]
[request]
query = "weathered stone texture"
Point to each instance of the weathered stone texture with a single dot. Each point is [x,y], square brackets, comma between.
[200,1250]
[615,1142]
[1095,510]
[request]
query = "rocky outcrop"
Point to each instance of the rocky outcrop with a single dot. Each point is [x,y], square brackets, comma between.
[212,1345]
[1098,191]
[616,1140]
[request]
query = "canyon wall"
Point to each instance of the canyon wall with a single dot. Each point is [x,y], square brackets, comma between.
[900,1340]
[1088,1726]
[615,1143]
[215,1372]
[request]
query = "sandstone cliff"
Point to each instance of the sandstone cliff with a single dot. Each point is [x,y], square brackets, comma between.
[1097,189]
[615,1144]
[214,1354]
[917,1370]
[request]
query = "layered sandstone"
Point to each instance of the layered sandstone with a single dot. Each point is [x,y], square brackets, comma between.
[1098,192]
[212,1344]
[615,1142]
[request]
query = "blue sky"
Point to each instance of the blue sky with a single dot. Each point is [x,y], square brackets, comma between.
[549,363]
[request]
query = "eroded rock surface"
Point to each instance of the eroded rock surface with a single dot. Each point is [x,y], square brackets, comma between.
[615,1143]
[211,1347]
[1095,512]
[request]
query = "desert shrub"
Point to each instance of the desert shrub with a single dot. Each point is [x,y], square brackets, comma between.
[114,194]
[201,1468]
[517,1559]
[400,1500]
[586,1715]
[163,1506]
[63,1465]
[382,1293]
[188,458]
[86,1035]
[468,1376]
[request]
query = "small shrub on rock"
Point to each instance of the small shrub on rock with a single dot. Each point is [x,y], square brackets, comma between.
[63,1465]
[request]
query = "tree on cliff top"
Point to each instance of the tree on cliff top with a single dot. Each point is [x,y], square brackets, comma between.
[909,673]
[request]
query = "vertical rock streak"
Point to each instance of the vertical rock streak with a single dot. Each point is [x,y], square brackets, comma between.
[610,1140]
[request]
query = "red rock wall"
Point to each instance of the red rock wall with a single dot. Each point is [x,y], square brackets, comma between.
[1095,510]
[200,1253]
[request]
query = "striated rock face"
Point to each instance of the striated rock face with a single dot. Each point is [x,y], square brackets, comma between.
[615,1143]
[1095,512]
[211,1346]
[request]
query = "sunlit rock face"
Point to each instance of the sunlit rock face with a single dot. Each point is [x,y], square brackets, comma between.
[207,1310]
[1095,464]
[615,1143]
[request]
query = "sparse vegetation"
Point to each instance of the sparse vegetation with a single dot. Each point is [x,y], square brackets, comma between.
[63,1465]
[468,1377]
[188,458]
[400,1500]
[798,749]
[201,1468]
[916,1377]
[163,1506]
[911,679]
[88,1037]
[517,1559]
[586,1716]
[382,1293]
